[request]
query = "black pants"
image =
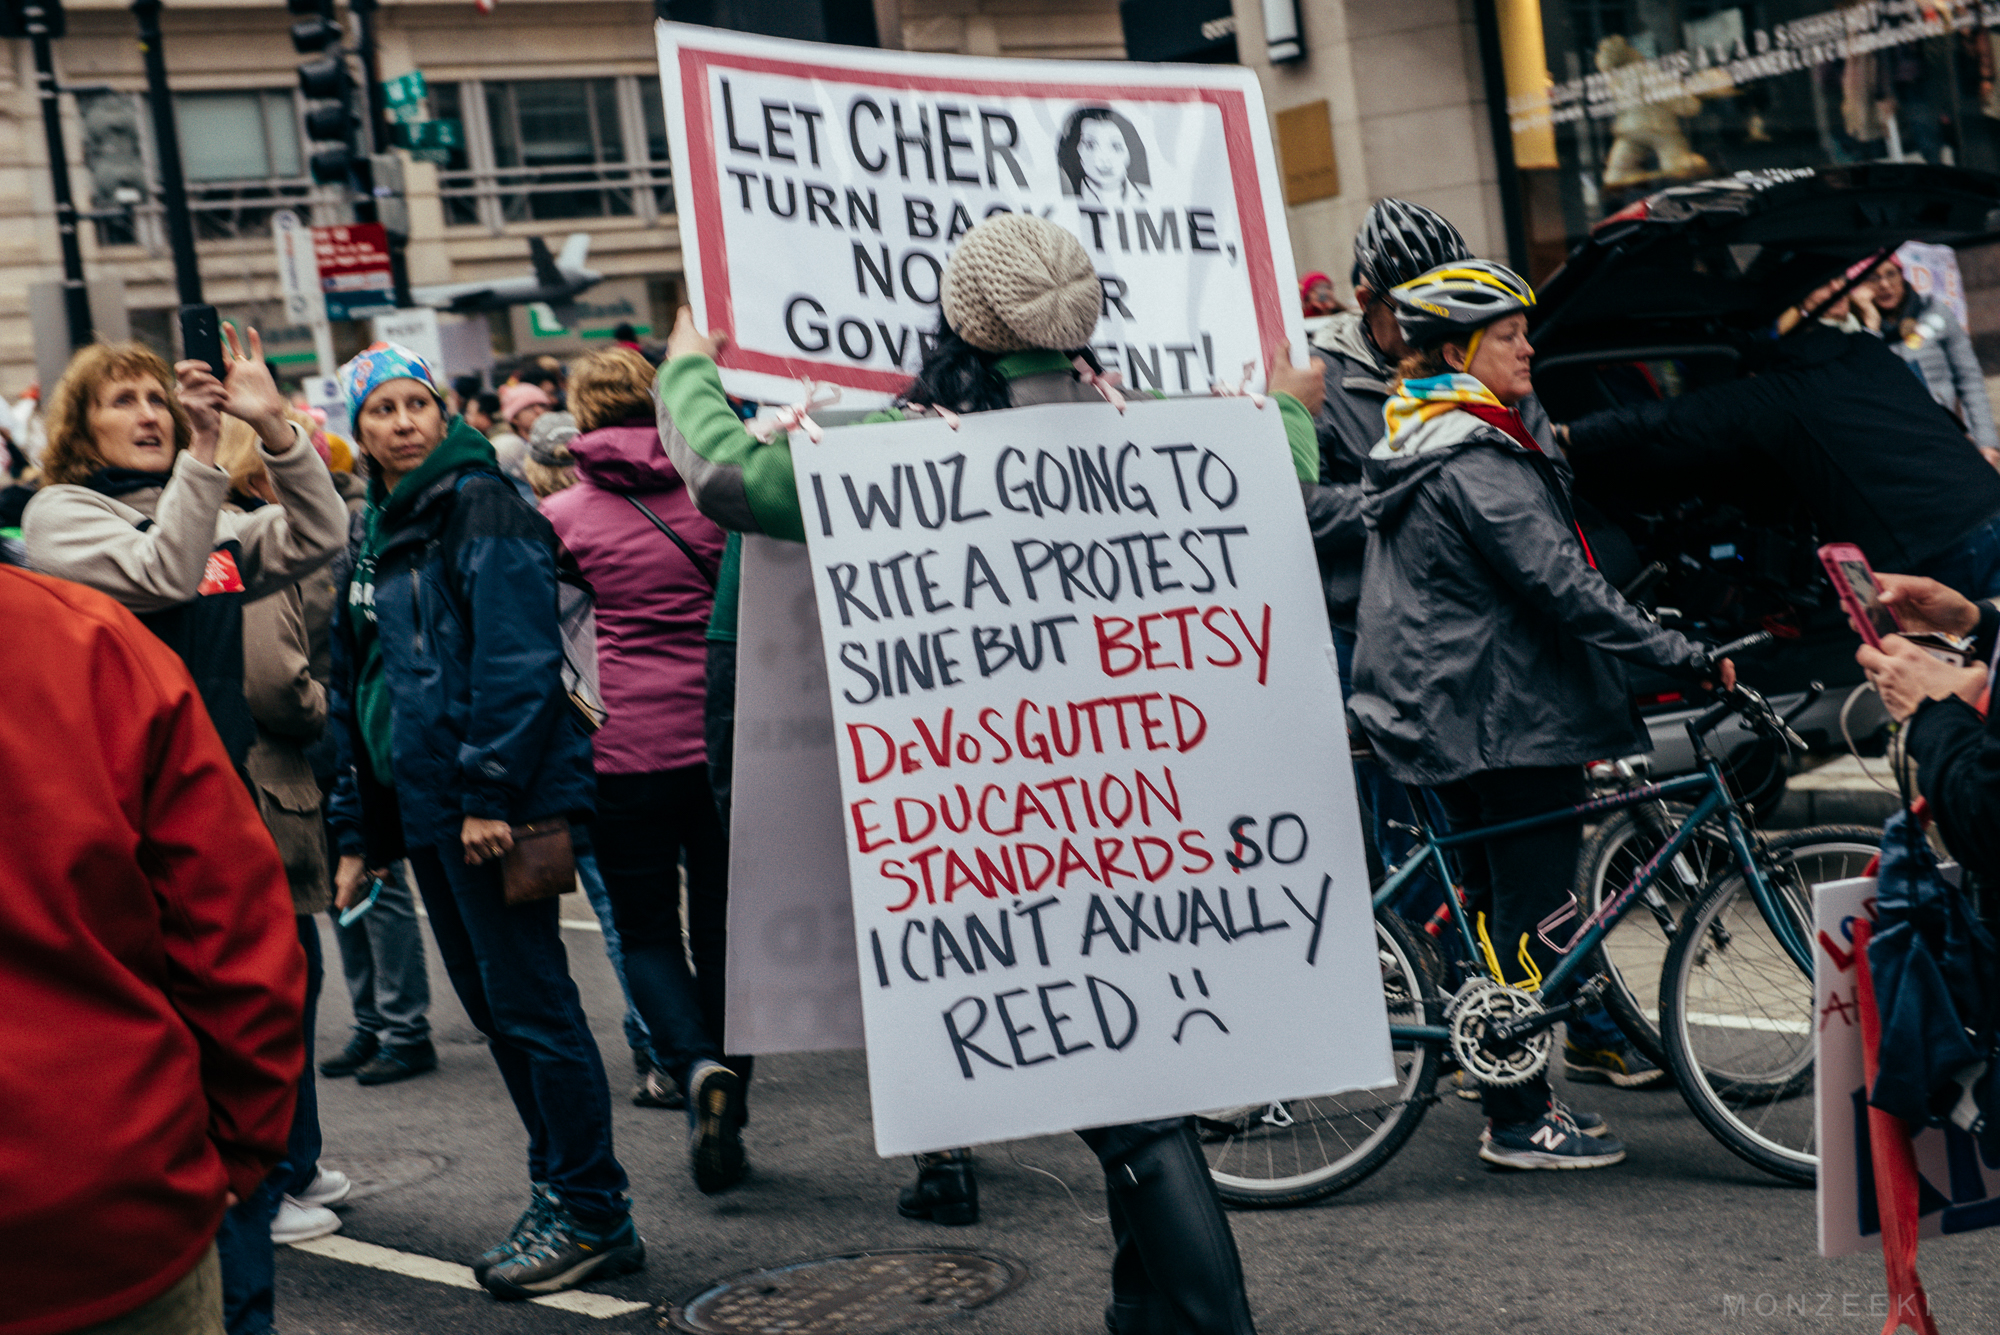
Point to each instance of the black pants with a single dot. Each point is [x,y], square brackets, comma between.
[645,823]
[1522,879]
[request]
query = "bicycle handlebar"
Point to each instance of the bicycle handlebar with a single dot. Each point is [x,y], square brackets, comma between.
[1754,640]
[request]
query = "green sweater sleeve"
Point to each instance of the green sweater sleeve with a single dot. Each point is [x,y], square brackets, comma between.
[737,480]
[1299,434]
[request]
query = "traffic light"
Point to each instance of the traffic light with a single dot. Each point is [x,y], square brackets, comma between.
[331,112]
[18,18]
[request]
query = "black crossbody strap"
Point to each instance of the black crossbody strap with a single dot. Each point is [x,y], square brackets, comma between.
[676,539]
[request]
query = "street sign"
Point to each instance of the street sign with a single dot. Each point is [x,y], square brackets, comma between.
[405,89]
[354,270]
[298,270]
[438,134]
[417,330]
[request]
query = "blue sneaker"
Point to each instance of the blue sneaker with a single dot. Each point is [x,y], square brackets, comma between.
[1624,1066]
[1552,1140]
[542,1208]
[563,1255]
[1587,1122]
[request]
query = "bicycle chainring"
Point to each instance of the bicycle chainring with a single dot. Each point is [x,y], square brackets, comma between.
[1477,1004]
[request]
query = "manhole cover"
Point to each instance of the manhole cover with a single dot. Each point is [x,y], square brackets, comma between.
[858,1294]
[374,1174]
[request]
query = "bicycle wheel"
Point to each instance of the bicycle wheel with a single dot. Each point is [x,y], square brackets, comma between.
[1737,1012]
[1636,946]
[1289,1153]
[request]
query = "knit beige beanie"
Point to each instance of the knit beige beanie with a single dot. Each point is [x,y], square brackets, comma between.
[1017,281]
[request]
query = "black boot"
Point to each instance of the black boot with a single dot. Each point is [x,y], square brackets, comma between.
[945,1192]
[1176,1271]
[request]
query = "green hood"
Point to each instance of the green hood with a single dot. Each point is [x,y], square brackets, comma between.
[461,447]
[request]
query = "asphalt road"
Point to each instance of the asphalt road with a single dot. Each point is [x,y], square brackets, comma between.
[1680,1238]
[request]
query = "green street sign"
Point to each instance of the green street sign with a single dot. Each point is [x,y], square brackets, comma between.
[445,134]
[405,89]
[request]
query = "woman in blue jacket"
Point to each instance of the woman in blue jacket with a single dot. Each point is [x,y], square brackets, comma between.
[459,730]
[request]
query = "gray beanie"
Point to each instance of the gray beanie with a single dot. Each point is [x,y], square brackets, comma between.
[549,438]
[1016,282]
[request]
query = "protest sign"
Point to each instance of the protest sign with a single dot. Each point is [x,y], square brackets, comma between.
[825,186]
[1956,1192]
[792,981]
[1099,818]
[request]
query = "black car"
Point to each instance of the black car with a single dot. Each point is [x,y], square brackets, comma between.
[1679,291]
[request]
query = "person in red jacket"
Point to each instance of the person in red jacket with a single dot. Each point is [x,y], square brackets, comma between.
[150,974]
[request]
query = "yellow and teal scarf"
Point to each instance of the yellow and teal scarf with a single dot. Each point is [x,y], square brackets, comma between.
[1418,401]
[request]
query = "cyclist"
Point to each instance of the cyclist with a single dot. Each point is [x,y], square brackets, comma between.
[1019,300]
[1485,667]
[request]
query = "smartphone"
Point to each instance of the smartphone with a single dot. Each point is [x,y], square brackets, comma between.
[201,338]
[352,914]
[1860,592]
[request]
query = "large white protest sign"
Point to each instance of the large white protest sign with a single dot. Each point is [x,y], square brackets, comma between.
[792,982]
[1099,818]
[1956,1191]
[825,186]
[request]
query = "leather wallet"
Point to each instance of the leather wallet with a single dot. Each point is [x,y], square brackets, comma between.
[541,864]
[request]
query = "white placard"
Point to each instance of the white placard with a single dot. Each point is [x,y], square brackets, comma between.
[792,980]
[1099,817]
[416,328]
[823,188]
[1957,1193]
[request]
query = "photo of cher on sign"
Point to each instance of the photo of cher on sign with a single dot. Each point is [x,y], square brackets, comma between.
[1101,829]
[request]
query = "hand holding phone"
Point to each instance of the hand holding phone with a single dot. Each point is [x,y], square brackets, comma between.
[1860,592]
[201,338]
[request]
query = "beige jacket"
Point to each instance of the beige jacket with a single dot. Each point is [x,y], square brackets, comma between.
[290,708]
[78,534]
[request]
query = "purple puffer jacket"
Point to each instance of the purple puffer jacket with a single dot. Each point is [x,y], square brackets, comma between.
[652,604]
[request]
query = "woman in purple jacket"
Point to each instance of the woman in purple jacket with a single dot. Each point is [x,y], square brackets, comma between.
[652,560]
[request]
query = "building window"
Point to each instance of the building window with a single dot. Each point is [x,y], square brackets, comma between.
[551,137]
[653,110]
[460,210]
[115,153]
[235,137]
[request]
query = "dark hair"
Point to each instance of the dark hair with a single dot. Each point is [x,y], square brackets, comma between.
[958,376]
[1070,164]
[625,333]
[466,385]
[487,402]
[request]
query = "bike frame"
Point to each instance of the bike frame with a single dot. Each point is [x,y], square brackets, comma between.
[1714,800]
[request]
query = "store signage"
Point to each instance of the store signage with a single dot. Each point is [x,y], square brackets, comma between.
[353,262]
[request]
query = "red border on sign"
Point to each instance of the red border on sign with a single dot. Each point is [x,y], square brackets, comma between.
[705,189]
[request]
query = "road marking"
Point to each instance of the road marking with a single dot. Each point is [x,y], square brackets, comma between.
[1756,1023]
[355,1252]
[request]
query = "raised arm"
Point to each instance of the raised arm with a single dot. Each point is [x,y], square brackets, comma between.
[307,528]
[740,482]
[75,534]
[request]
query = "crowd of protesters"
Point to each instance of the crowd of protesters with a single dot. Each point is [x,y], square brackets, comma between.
[291,668]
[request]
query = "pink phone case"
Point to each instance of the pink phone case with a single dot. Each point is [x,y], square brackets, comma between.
[1842,561]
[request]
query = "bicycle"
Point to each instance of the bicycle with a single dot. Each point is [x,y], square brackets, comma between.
[1735,986]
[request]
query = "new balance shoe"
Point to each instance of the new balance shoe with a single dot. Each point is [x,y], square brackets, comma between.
[1624,1066]
[298,1222]
[563,1255]
[330,1187]
[543,1207]
[1552,1140]
[1587,1122]
[715,1149]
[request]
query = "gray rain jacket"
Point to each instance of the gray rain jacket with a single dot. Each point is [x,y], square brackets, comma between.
[1929,337]
[1486,639]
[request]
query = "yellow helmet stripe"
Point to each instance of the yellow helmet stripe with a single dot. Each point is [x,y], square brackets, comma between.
[1525,295]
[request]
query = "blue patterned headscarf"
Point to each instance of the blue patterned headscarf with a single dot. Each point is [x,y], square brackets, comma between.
[377,364]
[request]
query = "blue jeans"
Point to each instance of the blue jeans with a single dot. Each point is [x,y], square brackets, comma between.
[243,1244]
[1387,801]
[382,959]
[1972,567]
[512,976]
[587,871]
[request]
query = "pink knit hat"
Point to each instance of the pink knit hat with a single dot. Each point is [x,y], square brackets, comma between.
[513,398]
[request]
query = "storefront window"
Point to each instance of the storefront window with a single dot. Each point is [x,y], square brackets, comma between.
[1610,100]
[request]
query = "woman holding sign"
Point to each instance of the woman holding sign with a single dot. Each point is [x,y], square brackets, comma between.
[1484,667]
[1020,300]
